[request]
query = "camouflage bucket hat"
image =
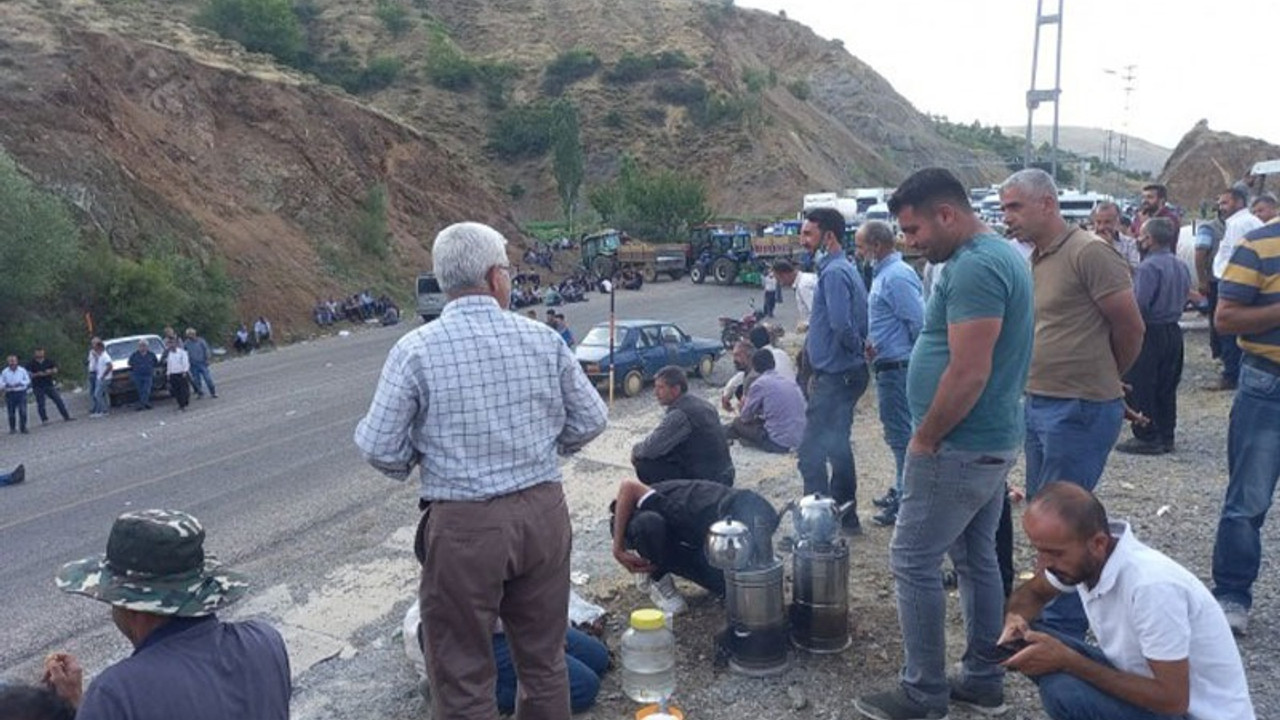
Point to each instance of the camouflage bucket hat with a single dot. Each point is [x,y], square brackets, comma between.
[155,563]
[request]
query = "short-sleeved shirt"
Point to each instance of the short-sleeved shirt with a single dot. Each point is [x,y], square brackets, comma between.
[1146,607]
[196,669]
[984,278]
[1072,357]
[1253,278]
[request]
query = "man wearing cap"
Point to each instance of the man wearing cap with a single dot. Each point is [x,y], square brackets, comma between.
[186,663]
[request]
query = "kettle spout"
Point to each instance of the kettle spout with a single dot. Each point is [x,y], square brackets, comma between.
[841,510]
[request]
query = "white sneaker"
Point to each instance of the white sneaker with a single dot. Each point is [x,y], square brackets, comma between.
[1237,617]
[664,594]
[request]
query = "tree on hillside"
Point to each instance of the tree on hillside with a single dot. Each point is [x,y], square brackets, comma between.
[567,161]
[268,26]
[39,242]
[658,205]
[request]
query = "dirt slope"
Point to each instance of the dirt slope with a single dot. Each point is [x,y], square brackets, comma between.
[1207,161]
[266,173]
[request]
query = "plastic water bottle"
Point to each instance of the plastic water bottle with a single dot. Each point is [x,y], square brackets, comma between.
[648,657]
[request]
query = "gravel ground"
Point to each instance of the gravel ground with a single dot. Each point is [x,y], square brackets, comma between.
[1172,502]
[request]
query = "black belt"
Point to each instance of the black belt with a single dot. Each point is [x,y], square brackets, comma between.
[1260,363]
[894,365]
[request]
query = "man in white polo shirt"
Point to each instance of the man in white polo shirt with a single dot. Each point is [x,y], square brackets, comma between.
[1164,646]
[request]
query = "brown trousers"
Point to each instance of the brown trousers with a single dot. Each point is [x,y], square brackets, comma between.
[506,557]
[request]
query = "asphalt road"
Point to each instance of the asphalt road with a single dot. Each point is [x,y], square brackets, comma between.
[269,468]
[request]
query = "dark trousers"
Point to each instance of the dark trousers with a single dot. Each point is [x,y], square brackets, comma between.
[51,392]
[1211,300]
[1155,376]
[655,470]
[649,534]
[770,302]
[180,389]
[16,404]
[1004,545]
[752,432]
[143,383]
[829,421]
[1223,347]
[508,558]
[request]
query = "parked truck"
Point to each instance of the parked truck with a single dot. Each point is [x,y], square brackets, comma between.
[610,252]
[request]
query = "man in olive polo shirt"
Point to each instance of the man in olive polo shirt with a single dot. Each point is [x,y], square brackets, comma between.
[1088,332]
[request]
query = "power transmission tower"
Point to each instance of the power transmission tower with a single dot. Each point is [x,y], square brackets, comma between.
[1127,76]
[1035,96]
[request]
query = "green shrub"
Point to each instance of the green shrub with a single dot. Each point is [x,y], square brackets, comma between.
[448,68]
[673,60]
[516,191]
[394,16]
[654,204]
[799,89]
[679,91]
[496,80]
[569,67]
[380,73]
[372,234]
[268,26]
[654,115]
[613,119]
[631,68]
[755,80]
[521,131]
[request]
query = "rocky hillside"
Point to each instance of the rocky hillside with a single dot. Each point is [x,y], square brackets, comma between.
[155,129]
[1143,156]
[1206,161]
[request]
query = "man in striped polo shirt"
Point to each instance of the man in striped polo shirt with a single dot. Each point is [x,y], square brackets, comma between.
[1249,307]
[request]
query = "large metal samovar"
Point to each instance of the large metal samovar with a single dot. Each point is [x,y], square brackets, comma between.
[820,576]
[756,622]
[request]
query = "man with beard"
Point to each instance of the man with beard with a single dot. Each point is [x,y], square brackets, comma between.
[1150,616]
[964,389]
[1233,206]
[1155,203]
[834,348]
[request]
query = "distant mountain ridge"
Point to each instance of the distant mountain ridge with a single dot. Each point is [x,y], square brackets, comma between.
[1143,156]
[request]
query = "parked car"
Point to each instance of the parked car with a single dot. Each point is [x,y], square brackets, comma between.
[121,389]
[641,349]
[431,300]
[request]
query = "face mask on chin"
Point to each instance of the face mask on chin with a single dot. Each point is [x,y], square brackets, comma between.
[820,255]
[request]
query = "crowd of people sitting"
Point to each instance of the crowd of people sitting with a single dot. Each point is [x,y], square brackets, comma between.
[527,289]
[356,308]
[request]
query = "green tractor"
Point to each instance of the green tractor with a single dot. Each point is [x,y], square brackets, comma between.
[610,252]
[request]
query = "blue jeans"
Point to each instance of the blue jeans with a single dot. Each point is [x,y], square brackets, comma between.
[16,403]
[586,657]
[895,416]
[1067,697]
[950,505]
[101,404]
[1069,439]
[200,377]
[829,421]
[143,382]
[1253,464]
[1230,352]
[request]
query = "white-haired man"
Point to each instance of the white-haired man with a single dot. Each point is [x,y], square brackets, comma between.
[495,530]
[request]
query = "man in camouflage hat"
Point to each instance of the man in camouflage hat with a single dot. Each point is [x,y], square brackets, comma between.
[163,591]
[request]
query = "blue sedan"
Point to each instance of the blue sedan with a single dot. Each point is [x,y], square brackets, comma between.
[641,349]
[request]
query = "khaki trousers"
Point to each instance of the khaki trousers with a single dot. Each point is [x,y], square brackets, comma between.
[505,557]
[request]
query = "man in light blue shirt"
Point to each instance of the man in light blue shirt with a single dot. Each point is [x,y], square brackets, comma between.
[895,313]
[835,349]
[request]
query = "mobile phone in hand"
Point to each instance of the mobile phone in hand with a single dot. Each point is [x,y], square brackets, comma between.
[1004,651]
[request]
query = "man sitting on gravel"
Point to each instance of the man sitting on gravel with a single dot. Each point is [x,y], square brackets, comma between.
[689,442]
[1164,646]
[772,417]
[661,531]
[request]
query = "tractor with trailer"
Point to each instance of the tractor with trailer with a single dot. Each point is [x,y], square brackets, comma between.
[609,253]
[729,256]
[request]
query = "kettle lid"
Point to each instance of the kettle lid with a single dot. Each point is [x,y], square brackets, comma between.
[728,527]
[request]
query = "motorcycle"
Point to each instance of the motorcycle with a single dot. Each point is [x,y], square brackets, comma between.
[734,329]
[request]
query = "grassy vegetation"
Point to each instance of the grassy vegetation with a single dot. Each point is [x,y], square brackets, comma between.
[652,204]
[521,131]
[567,68]
[57,280]
[632,67]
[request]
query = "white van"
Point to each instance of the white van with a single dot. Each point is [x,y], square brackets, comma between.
[431,299]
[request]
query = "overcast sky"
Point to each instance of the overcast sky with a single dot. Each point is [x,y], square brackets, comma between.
[971,59]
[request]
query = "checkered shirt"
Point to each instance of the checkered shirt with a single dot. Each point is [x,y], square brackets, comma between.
[483,399]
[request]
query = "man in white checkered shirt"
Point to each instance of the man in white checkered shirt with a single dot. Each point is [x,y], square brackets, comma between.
[483,400]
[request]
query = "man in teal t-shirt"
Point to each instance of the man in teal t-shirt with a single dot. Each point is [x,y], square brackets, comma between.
[964,386]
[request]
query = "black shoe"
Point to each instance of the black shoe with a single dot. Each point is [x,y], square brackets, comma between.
[895,705]
[950,581]
[24,431]
[990,704]
[213,395]
[889,498]
[19,475]
[887,517]
[850,526]
[1134,446]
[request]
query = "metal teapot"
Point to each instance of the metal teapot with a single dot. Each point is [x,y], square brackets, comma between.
[817,518]
[729,545]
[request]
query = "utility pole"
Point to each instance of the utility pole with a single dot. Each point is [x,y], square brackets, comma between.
[1127,75]
[1035,96]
